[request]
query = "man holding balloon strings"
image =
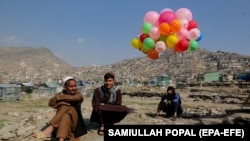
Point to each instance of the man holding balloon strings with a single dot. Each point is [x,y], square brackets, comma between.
[176,30]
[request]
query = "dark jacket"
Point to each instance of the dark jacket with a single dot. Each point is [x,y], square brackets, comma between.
[80,127]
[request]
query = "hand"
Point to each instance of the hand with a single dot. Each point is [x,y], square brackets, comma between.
[61,103]
[169,102]
[102,104]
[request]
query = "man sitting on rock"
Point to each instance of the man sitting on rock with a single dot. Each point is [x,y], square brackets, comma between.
[107,104]
[68,122]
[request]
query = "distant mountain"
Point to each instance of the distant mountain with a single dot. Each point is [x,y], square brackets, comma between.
[27,56]
[27,63]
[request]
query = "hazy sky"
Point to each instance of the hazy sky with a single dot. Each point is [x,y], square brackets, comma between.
[87,32]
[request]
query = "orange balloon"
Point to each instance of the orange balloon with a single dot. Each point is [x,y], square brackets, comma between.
[175,26]
[153,54]
[164,28]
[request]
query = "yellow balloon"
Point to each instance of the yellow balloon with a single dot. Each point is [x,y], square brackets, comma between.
[139,43]
[136,43]
[144,50]
[172,40]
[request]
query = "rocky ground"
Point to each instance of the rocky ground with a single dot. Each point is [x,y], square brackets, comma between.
[20,119]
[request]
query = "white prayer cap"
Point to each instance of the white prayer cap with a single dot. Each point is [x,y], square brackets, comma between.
[66,79]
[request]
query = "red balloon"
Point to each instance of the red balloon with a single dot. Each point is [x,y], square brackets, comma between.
[182,45]
[143,36]
[192,24]
[153,54]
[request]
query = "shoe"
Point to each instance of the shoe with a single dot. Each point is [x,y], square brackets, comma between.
[41,135]
[173,118]
[45,127]
[100,131]
[156,116]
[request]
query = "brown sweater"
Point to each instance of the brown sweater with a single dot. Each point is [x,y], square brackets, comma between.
[76,99]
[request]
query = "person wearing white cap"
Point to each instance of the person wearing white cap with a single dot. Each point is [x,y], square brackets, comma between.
[68,122]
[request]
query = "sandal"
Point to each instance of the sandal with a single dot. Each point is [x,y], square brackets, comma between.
[41,135]
[44,127]
[100,131]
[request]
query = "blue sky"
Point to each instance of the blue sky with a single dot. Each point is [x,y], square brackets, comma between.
[99,32]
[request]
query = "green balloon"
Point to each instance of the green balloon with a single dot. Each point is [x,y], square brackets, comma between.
[162,38]
[146,27]
[148,43]
[193,45]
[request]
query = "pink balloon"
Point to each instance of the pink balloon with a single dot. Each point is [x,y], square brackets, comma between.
[154,33]
[183,33]
[160,46]
[166,9]
[184,13]
[167,17]
[184,23]
[151,17]
[194,34]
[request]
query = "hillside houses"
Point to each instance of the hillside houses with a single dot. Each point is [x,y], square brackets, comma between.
[9,92]
[186,67]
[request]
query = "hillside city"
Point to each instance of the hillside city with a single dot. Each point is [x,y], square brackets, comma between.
[39,65]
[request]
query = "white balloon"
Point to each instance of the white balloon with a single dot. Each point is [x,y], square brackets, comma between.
[160,46]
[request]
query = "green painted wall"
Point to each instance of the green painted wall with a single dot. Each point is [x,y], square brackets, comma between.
[162,80]
[212,76]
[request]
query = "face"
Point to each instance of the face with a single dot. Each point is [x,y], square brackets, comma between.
[170,91]
[109,83]
[71,87]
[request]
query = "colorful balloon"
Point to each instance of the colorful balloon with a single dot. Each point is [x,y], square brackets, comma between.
[143,50]
[148,43]
[199,38]
[160,46]
[162,38]
[175,26]
[184,13]
[166,17]
[153,54]
[167,31]
[172,40]
[184,23]
[135,42]
[192,24]
[143,36]
[183,33]
[151,17]
[146,27]
[154,33]
[182,45]
[193,45]
[193,34]
[166,9]
[164,28]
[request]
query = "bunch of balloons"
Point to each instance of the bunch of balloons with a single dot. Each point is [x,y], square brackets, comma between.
[176,30]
